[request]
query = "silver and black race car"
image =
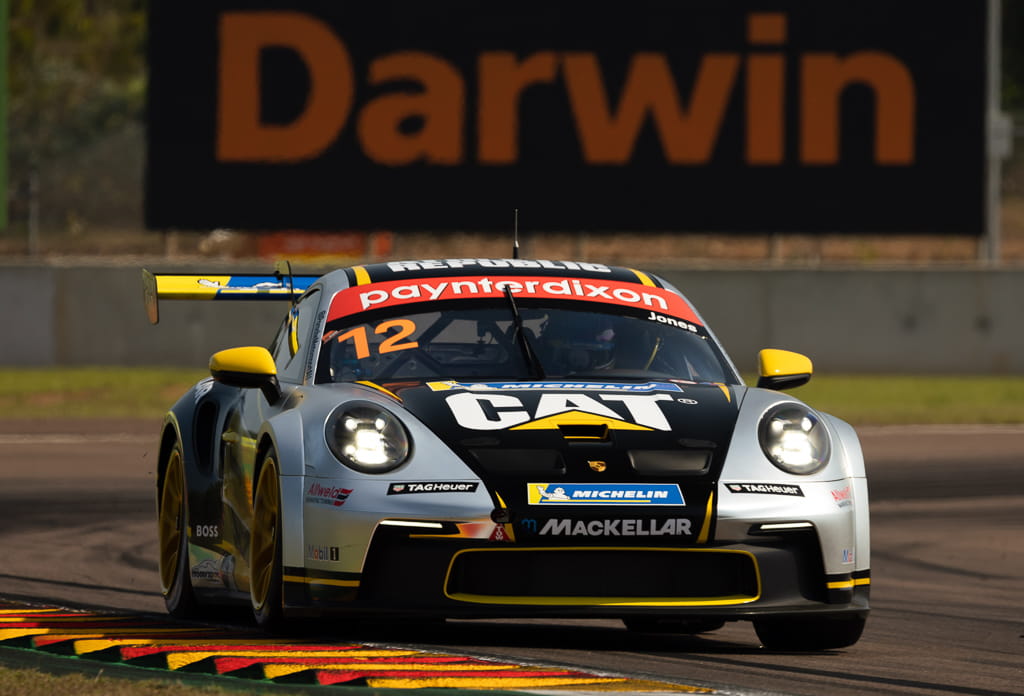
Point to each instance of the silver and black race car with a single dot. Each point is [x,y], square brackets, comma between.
[474,438]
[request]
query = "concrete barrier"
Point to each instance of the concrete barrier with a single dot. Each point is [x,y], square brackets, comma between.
[856,321]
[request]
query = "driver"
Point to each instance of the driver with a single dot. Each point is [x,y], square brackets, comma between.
[577,342]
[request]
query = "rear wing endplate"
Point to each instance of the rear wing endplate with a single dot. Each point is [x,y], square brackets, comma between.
[218,286]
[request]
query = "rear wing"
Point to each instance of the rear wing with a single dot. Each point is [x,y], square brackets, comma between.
[281,285]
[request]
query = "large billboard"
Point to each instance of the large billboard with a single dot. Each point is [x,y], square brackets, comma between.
[802,116]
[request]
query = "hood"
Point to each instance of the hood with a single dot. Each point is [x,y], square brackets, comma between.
[603,448]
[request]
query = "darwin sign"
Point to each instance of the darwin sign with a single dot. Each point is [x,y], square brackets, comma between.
[688,116]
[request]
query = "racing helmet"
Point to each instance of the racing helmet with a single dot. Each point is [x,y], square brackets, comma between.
[578,342]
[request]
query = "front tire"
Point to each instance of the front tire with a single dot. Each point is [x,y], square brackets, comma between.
[265,587]
[809,633]
[172,526]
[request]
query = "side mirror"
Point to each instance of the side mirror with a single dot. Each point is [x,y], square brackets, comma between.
[782,369]
[248,368]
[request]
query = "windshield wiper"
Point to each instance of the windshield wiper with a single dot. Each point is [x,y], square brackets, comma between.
[520,337]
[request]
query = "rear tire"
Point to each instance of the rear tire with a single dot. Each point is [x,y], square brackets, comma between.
[809,633]
[172,534]
[265,587]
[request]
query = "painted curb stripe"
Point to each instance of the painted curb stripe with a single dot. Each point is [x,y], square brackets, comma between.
[146,641]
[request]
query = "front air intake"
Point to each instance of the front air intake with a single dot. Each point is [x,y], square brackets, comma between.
[681,577]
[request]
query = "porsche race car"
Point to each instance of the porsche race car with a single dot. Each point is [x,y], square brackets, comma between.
[474,438]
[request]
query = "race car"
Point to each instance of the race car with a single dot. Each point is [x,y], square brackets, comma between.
[479,438]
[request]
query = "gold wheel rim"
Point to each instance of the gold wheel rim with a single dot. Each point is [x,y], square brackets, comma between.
[172,505]
[266,512]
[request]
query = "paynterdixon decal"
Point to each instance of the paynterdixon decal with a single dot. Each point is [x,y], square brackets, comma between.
[604,494]
[486,411]
[679,526]
[606,291]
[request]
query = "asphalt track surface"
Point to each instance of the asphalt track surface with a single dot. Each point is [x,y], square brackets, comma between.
[77,529]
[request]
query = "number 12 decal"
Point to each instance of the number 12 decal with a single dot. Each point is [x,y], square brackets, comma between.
[389,344]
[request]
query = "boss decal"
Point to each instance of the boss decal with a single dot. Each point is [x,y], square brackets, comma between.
[433,487]
[769,488]
[604,494]
[206,531]
[485,411]
[608,528]
[327,495]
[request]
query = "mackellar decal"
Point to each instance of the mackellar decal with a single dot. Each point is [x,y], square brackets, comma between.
[607,528]
[493,411]
[611,292]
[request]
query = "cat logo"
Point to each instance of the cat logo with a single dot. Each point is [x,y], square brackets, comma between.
[487,411]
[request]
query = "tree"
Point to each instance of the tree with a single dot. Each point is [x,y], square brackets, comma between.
[76,73]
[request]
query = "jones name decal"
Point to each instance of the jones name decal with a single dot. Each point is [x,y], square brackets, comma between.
[604,494]
[609,528]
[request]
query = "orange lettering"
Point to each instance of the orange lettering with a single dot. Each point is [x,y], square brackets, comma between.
[824,76]
[441,104]
[766,85]
[241,137]
[687,137]
[502,80]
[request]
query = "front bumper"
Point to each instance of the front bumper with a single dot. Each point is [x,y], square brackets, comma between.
[411,574]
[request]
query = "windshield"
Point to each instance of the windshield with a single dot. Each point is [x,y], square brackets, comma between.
[481,343]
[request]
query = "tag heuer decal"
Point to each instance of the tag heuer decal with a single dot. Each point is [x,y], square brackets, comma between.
[432,487]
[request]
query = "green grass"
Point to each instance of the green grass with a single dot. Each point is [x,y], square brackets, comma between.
[92,392]
[137,392]
[29,682]
[880,400]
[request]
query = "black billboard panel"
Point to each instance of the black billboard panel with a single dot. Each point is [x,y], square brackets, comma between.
[700,116]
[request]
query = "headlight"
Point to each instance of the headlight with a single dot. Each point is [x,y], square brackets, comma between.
[794,439]
[367,438]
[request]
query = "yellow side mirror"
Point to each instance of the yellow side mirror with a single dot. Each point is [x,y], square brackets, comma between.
[782,369]
[248,367]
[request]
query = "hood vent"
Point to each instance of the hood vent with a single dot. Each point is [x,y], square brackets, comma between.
[520,462]
[692,462]
[584,431]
